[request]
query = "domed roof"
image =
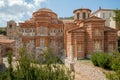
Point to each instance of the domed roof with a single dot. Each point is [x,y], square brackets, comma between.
[45,9]
[81,9]
[44,12]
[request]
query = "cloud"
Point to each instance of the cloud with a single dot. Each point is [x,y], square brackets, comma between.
[1,3]
[37,2]
[17,9]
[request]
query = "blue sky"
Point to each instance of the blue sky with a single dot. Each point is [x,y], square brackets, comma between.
[21,10]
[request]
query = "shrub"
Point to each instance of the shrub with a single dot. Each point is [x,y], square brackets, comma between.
[94,59]
[113,76]
[27,70]
[115,62]
[115,65]
[101,59]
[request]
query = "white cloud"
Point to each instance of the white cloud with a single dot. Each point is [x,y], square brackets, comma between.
[1,3]
[17,9]
[15,2]
[37,2]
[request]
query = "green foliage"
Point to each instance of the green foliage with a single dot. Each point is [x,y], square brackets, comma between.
[101,60]
[62,18]
[113,76]
[117,15]
[117,18]
[115,62]
[105,60]
[94,59]
[3,31]
[29,70]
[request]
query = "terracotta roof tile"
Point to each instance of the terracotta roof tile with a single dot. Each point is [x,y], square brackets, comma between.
[6,41]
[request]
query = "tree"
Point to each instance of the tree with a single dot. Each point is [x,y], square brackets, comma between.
[117,18]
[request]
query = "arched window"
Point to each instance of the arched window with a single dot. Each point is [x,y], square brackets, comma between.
[52,32]
[78,16]
[32,32]
[24,32]
[10,26]
[84,15]
[41,43]
[104,15]
[97,32]
[97,45]
[41,30]
[111,47]
[79,48]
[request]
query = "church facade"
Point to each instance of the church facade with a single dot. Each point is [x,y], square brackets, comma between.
[76,38]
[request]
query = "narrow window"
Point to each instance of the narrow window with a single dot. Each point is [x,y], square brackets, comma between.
[110,15]
[97,32]
[79,48]
[97,46]
[24,32]
[10,26]
[104,15]
[111,47]
[41,43]
[41,30]
[84,15]
[78,16]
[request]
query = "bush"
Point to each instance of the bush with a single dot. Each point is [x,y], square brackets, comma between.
[101,59]
[113,76]
[115,62]
[28,70]
[115,65]
[94,59]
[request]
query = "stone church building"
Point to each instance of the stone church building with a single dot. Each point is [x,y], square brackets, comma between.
[76,38]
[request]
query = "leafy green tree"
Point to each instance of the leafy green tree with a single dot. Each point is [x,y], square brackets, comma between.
[117,17]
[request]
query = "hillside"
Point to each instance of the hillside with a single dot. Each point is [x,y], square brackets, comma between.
[3,30]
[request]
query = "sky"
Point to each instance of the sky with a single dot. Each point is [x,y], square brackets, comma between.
[21,10]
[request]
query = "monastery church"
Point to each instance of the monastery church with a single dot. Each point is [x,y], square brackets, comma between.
[75,38]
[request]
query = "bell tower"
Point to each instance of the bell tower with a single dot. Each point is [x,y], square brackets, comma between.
[11,29]
[81,14]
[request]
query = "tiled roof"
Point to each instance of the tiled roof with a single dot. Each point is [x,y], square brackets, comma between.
[6,41]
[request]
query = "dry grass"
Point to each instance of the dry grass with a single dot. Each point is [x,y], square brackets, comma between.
[86,61]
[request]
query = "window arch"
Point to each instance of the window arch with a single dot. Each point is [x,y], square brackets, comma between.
[42,30]
[79,48]
[97,32]
[10,26]
[97,45]
[41,43]
[78,16]
[84,15]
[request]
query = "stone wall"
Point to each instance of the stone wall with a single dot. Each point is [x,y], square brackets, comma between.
[89,72]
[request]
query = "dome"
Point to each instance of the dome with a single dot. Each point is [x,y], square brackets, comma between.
[82,9]
[45,9]
[45,12]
